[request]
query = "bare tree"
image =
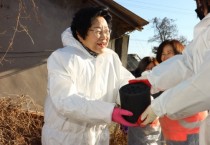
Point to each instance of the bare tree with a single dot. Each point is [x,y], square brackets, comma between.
[183,40]
[165,29]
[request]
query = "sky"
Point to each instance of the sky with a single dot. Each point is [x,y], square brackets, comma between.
[182,11]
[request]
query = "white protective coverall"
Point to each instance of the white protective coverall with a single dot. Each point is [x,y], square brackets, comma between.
[82,91]
[186,79]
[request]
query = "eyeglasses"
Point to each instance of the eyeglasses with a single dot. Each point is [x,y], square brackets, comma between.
[98,32]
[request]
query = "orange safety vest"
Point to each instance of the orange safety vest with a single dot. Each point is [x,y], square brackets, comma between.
[177,130]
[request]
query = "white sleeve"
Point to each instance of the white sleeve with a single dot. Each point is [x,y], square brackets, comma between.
[68,102]
[169,73]
[188,97]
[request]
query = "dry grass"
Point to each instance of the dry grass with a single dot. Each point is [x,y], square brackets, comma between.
[19,125]
[117,136]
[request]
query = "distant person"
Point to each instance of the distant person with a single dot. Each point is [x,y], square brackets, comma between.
[145,64]
[84,79]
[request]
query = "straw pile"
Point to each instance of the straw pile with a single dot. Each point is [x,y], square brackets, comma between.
[117,136]
[21,121]
[18,124]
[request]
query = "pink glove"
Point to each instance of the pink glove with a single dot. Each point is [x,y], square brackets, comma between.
[118,118]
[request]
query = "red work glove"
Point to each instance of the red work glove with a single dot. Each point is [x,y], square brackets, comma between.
[118,118]
[145,81]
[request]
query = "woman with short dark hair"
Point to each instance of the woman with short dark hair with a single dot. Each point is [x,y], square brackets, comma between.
[84,78]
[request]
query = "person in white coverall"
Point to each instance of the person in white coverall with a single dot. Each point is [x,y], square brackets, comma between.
[84,78]
[186,79]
